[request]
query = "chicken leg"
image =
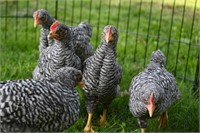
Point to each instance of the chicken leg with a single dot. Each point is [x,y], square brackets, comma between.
[143,124]
[163,120]
[103,117]
[88,127]
[143,130]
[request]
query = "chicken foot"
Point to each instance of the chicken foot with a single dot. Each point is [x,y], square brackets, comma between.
[88,127]
[143,130]
[103,117]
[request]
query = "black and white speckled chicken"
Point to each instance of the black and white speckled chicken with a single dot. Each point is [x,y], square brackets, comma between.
[152,92]
[101,76]
[40,105]
[59,55]
[43,18]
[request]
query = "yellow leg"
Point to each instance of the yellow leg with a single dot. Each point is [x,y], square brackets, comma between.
[143,130]
[163,120]
[88,127]
[103,117]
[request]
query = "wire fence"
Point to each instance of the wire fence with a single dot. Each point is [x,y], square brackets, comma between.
[144,25]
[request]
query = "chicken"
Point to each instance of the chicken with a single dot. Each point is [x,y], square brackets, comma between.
[50,105]
[81,35]
[101,76]
[43,18]
[59,55]
[152,92]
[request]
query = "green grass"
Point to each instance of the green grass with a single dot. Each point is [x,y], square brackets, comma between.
[19,52]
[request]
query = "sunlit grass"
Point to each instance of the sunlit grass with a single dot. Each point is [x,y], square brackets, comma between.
[19,51]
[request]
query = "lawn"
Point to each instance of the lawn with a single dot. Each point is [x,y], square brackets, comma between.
[137,40]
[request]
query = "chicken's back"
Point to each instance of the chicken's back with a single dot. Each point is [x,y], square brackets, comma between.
[81,36]
[29,105]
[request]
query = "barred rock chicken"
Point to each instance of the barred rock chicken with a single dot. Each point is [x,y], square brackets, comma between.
[101,76]
[152,92]
[81,35]
[40,105]
[60,54]
[43,18]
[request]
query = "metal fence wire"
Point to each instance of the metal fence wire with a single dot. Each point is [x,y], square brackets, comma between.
[144,25]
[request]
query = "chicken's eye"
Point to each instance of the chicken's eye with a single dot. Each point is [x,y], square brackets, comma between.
[61,31]
[84,26]
[43,18]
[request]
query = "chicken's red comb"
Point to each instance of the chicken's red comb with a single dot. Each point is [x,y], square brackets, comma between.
[36,15]
[54,25]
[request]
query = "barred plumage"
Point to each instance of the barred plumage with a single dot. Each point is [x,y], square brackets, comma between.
[152,91]
[40,105]
[102,74]
[43,18]
[81,35]
[60,54]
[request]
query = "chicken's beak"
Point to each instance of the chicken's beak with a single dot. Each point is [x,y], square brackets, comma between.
[151,110]
[109,35]
[50,35]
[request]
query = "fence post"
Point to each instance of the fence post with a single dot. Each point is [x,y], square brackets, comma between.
[56,9]
[196,80]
